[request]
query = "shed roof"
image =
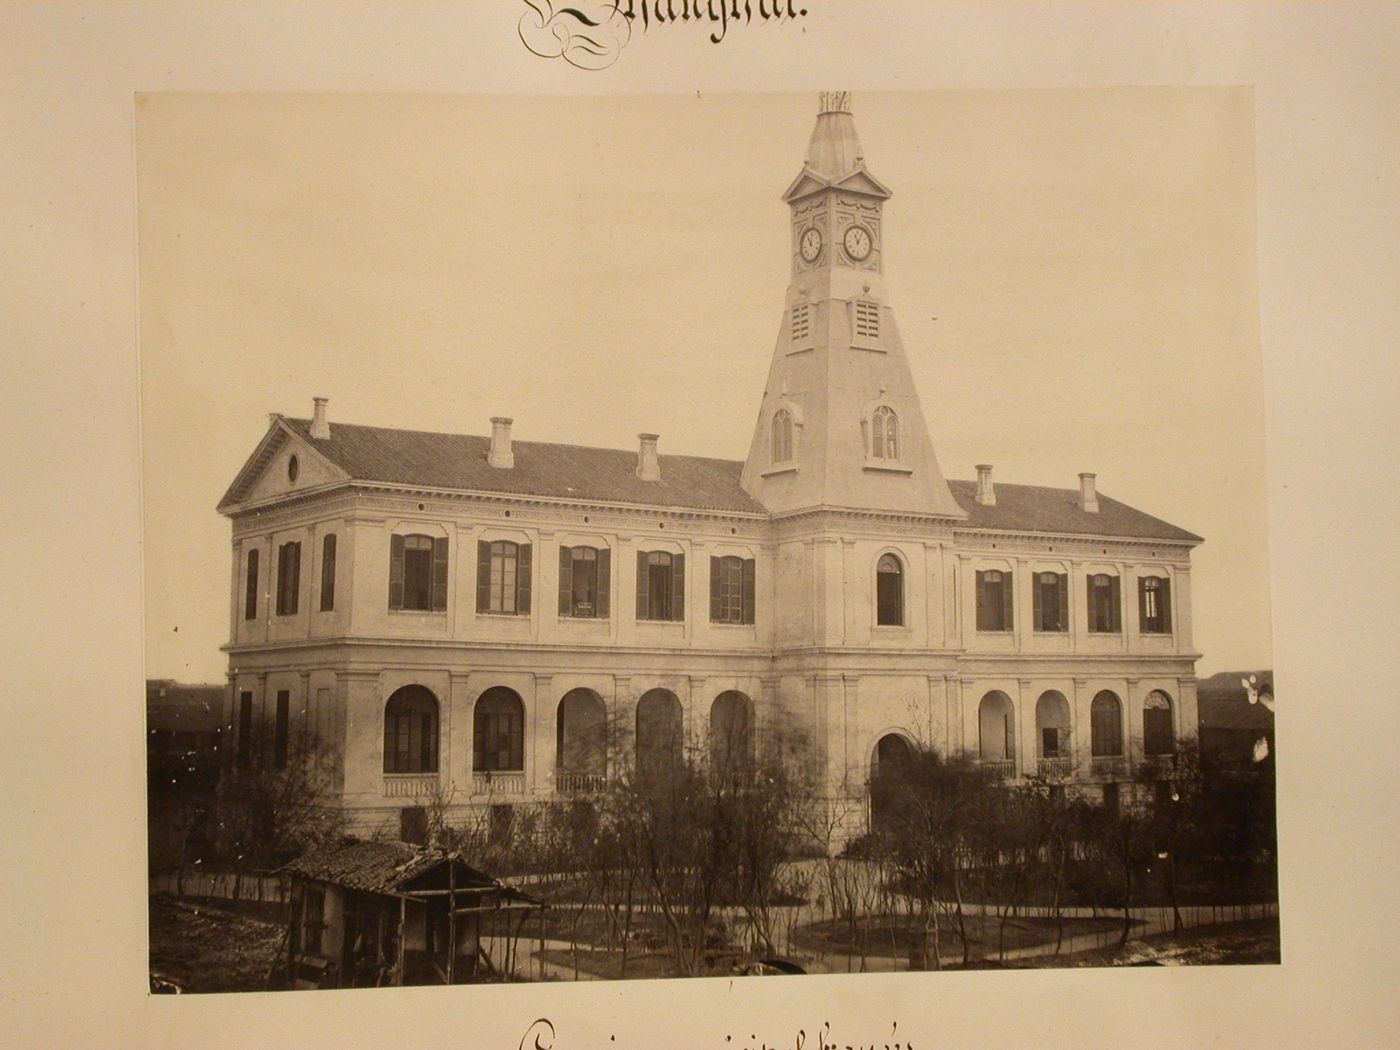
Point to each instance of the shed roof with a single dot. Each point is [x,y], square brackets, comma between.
[388,867]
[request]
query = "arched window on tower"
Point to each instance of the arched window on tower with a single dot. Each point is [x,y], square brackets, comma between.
[884,433]
[782,436]
[889,592]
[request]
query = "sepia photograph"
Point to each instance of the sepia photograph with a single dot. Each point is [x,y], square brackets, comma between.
[661,536]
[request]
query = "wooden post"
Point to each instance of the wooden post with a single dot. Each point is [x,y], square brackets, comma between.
[451,920]
[403,929]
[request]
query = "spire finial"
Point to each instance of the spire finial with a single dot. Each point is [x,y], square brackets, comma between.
[835,102]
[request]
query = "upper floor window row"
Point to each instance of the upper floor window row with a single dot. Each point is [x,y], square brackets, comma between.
[1050,602]
[418,573]
[585,582]
[287,596]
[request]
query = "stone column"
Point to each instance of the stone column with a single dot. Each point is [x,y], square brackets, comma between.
[539,758]
[1027,744]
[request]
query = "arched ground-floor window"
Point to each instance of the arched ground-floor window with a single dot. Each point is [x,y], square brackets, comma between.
[498,732]
[1106,726]
[890,768]
[660,734]
[581,734]
[1158,728]
[731,731]
[411,731]
[996,732]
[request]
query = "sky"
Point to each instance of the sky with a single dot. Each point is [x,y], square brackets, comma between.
[1072,272]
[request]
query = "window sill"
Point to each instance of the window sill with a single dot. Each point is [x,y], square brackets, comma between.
[732,625]
[887,467]
[786,468]
[662,623]
[801,349]
[893,627]
[1004,631]
[506,615]
[1051,631]
[568,618]
[869,347]
[417,612]
[1104,634]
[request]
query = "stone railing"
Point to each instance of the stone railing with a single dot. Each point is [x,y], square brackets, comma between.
[409,785]
[498,783]
[1001,768]
[579,783]
[1055,768]
[1108,766]
[1158,767]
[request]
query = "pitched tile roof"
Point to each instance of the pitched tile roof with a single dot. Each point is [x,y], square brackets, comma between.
[379,867]
[1035,508]
[458,461]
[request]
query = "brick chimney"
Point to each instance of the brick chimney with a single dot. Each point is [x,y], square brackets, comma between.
[500,455]
[986,491]
[320,429]
[1088,496]
[648,466]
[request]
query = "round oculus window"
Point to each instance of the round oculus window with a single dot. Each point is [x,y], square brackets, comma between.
[293,468]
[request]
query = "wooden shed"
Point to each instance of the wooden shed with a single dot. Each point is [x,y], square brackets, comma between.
[363,914]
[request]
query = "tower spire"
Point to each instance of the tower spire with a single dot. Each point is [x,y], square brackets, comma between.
[840,425]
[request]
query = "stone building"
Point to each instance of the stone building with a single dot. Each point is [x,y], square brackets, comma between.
[465,612]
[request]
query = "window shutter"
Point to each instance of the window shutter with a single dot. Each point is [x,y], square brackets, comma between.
[250,599]
[328,573]
[566,581]
[1143,624]
[1164,605]
[1037,603]
[1062,615]
[396,572]
[604,583]
[750,575]
[522,579]
[678,587]
[294,576]
[439,595]
[483,576]
[643,608]
[1115,595]
[716,590]
[1008,617]
[981,602]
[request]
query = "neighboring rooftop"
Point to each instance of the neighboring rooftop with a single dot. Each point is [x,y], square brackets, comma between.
[1036,508]
[389,867]
[181,707]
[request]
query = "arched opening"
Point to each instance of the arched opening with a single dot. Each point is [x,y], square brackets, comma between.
[660,735]
[411,731]
[581,758]
[1158,728]
[731,732]
[1106,726]
[884,433]
[889,591]
[890,768]
[498,732]
[1052,733]
[996,730]
[782,436]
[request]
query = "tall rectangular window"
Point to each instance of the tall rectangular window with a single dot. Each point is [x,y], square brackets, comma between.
[732,590]
[1051,600]
[801,323]
[288,578]
[585,581]
[250,593]
[994,600]
[1105,601]
[1154,605]
[281,728]
[503,577]
[867,320]
[660,585]
[245,729]
[328,572]
[418,573]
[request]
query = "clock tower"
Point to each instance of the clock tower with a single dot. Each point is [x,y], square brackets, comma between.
[841,426]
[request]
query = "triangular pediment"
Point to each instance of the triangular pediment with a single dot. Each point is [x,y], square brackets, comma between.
[861,181]
[266,475]
[806,183]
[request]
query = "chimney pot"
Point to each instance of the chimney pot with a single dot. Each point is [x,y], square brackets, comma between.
[1088,495]
[501,454]
[986,491]
[648,466]
[320,429]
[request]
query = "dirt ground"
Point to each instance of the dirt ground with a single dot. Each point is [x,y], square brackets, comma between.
[891,935]
[203,947]
[1252,942]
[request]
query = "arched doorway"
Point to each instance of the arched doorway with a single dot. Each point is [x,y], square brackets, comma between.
[890,767]
[581,758]
[660,735]
[996,733]
[731,732]
[1053,751]
[1158,726]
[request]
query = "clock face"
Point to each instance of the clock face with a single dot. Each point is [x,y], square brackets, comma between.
[857,242]
[811,243]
